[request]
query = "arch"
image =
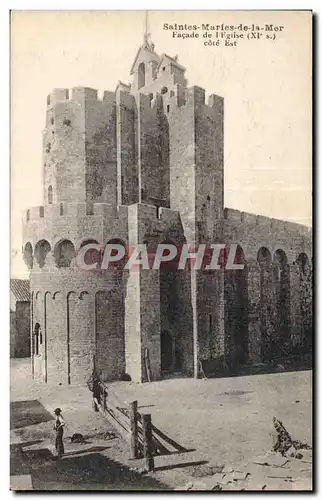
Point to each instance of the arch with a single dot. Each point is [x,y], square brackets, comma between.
[305,302]
[280,258]
[50,195]
[82,294]
[68,312]
[56,293]
[92,256]
[303,263]
[42,248]
[264,257]
[28,255]
[64,253]
[120,263]
[47,293]
[281,279]
[141,75]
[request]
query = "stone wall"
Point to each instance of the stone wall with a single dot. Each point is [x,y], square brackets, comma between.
[20,330]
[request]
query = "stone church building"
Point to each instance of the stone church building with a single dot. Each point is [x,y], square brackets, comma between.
[144,164]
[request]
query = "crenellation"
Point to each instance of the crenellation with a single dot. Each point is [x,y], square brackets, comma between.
[145,165]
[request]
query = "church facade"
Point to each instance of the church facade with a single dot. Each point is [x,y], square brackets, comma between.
[144,165]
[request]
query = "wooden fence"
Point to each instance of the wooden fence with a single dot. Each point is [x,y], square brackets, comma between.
[145,439]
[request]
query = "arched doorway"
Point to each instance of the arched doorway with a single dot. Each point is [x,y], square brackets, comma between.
[166,351]
[280,343]
[305,296]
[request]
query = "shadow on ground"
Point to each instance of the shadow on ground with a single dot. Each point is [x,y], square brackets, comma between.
[24,413]
[88,470]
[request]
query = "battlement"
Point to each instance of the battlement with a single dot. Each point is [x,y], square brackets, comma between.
[165,215]
[265,223]
[77,222]
[78,94]
[71,210]
[155,224]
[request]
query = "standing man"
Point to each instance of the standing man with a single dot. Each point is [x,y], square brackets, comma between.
[59,428]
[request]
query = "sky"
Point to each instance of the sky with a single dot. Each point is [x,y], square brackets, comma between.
[266,85]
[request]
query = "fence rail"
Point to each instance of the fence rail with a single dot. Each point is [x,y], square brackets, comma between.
[144,438]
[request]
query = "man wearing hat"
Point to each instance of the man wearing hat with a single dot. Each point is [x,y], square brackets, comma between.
[59,428]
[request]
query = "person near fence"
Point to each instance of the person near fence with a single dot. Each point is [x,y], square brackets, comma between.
[94,386]
[59,428]
[96,393]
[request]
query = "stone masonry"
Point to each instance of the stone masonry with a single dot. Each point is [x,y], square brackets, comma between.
[145,165]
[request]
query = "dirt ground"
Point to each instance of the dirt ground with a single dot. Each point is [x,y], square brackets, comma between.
[222,422]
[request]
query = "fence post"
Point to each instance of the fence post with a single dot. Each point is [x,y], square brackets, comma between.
[147,441]
[134,429]
[104,400]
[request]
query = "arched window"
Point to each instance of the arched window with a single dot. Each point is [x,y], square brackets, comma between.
[28,255]
[118,264]
[64,253]
[50,195]
[61,209]
[303,263]
[141,75]
[92,256]
[264,257]
[42,248]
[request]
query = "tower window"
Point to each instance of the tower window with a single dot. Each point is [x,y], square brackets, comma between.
[141,75]
[48,100]
[168,108]
[50,195]
[41,211]
[163,69]
[164,90]
[52,121]
[61,209]
[171,93]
